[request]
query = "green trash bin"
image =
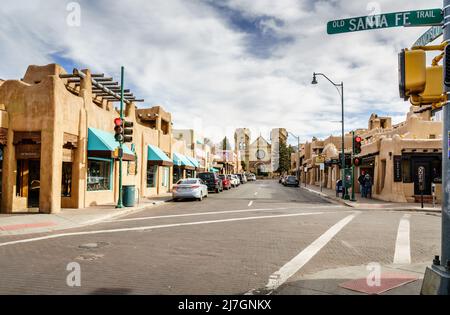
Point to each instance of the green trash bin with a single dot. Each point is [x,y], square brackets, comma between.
[129,195]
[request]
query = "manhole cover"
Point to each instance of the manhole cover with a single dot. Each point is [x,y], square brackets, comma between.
[93,245]
[89,257]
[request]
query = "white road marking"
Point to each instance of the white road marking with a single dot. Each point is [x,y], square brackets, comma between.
[293,266]
[206,213]
[250,203]
[256,193]
[153,227]
[403,245]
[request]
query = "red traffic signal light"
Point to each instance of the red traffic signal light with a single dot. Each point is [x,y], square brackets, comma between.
[356,162]
[118,122]
[357,142]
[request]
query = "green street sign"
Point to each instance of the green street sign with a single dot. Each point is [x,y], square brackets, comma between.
[430,17]
[429,36]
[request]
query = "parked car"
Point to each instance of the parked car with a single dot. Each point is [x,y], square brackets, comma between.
[242,178]
[226,183]
[282,179]
[191,188]
[235,182]
[251,177]
[291,181]
[212,180]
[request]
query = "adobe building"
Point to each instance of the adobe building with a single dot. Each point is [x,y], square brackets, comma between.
[58,147]
[391,155]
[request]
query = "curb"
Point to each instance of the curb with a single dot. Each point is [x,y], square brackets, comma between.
[347,204]
[107,217]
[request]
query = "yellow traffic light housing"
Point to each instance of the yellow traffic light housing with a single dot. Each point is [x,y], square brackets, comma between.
[412,72]
[434,88]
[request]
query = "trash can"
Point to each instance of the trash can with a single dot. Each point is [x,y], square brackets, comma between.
[129,195]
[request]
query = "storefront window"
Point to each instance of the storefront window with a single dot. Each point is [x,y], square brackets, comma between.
[406,171]
[189,174]
[99,175]
[436,171]
[152,171]
[177,174]
[66,184]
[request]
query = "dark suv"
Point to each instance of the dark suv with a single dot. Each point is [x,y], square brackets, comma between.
[212,180]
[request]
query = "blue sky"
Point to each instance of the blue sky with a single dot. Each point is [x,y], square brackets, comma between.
[221,65]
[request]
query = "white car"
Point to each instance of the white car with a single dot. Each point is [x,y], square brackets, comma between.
[251,177]
[234,180]
[190,188]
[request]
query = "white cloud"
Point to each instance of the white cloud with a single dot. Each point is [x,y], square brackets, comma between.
[188,57]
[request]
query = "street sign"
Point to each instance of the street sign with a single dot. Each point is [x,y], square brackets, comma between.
[429,36]
[430,17]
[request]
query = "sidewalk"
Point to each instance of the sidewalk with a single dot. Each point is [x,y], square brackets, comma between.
[19,224]
[371,204]
[394,280]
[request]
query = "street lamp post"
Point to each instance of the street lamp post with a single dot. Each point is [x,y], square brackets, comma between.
[341,92]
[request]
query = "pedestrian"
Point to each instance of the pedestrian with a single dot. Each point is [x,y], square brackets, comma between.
[368,185]
[362,188]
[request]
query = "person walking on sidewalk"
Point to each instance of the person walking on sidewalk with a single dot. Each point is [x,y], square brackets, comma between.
[368,185]
[362,187]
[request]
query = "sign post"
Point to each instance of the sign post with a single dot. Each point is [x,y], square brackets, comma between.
[437,277]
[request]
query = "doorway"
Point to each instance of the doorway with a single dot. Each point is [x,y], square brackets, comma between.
[29,181]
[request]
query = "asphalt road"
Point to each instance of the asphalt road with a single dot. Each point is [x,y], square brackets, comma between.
[259,238]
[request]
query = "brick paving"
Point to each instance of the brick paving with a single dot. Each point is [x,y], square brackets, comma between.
[216,258]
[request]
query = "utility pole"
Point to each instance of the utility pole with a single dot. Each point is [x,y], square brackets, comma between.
[120,200]
[353,168]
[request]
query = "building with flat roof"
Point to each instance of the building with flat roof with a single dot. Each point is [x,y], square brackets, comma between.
[58,148]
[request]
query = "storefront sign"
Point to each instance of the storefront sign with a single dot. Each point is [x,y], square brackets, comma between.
[67,155]
[397,168]
[131,168]
[28,151]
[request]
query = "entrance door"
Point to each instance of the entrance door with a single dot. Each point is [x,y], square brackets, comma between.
[34,183]
[426,165]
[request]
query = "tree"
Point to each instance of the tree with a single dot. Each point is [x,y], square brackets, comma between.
[284,157]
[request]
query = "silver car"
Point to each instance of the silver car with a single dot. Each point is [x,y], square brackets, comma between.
[190,188]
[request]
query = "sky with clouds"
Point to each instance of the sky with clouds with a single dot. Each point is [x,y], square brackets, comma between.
[217,65]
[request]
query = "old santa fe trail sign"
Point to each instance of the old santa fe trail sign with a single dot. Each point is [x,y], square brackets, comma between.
[430,17]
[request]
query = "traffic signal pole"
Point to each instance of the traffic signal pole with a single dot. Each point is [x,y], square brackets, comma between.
[446,155]
[437,277]
[120,200]
[353,167]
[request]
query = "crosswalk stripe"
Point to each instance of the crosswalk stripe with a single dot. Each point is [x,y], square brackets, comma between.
[294,265]
[403,244]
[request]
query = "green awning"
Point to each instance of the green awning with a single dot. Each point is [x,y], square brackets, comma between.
[102,144]
[182,161]
[158,157]
[214,170]
[193,161]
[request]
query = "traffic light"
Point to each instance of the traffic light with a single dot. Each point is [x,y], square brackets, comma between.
[356,161]
[119,136]
[128,131]
[412,72]
[434,89]
[357,142]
